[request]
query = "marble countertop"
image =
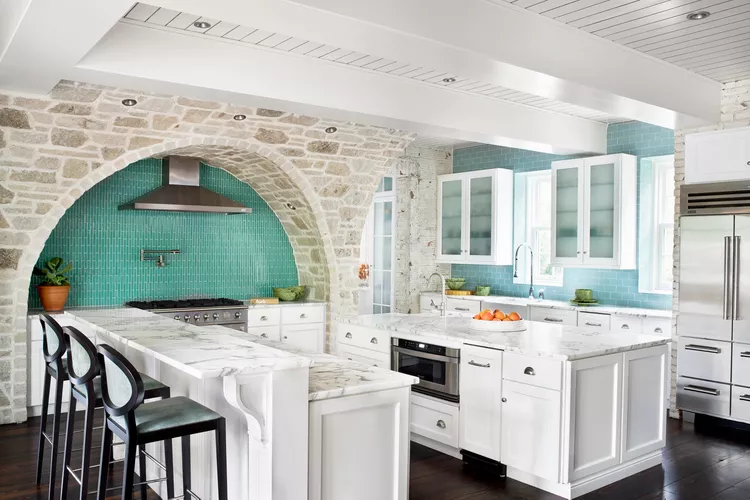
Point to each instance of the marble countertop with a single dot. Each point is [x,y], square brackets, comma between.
[561,304]
[540,339]
[298,303]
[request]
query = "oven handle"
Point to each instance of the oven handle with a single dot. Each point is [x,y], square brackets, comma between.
[425,355]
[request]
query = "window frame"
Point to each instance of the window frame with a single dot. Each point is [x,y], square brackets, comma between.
[368,252]
[661,227]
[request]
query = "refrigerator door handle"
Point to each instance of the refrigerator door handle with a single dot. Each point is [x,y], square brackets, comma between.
[736,278]
[725,314]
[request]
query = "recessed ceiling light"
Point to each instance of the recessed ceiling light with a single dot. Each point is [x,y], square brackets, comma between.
[331,130]
[202,25]
[239,118]
[129,102]
[449,80]
[698,16]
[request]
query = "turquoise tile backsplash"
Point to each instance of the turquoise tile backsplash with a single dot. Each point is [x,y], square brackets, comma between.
[611,287]
[235,256]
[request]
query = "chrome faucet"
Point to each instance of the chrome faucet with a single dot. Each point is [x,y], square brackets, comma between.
[515,272]
[442,296]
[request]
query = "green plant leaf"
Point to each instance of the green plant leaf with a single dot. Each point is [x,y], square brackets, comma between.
[65,269]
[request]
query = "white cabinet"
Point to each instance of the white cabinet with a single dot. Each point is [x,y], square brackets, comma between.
[303,326]
[717,156]
[364,356]
[475,217]
[272,332]
[594,212]
[531,429]
[462,306]
[435,420]
[308,337]
[481,406]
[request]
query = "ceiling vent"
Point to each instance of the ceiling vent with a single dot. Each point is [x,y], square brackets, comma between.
[715,198]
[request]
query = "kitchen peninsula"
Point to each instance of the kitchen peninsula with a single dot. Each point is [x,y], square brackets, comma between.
[566,409]
[277,404]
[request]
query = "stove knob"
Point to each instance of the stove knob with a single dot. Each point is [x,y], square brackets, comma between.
[177,317]
[197,317]
[216,316]
[205,317]
[237,314]
[187,317]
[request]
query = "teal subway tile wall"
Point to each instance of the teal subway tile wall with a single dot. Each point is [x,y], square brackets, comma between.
[234,256]
[611,287]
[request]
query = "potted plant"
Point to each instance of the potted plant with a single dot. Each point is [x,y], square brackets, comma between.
[55,286]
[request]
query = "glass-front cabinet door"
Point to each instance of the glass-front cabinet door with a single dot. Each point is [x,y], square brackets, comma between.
[567,216]
[451,212]
[480,188]
[601,236]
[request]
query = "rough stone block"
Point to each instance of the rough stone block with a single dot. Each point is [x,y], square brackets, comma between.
[196,115]
[67,108]
[130,121]
[142,142]
[271,136]
[325,147]
[6,196]
[72,93]
[112,153]
[306,121]
[14,118]
[29,137]
[80,122]
[75,168]
[32,176]
[193,103]
[68,138]
[271,113]
[9,258]
[164,122]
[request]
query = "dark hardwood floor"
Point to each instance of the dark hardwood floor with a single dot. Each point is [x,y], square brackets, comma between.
[697,466]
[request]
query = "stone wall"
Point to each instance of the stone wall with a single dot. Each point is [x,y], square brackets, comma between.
[416,223]
[52,149]
[735,112]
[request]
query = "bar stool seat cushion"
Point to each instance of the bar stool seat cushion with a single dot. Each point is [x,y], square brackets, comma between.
[169,414]
[149,385]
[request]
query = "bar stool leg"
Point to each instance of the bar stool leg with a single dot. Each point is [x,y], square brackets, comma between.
[106,456]
[88,436]
[221,459]
[169,464]
[55,439]
[68,447]
[186,467]
[142,470]
[129,470]
[42,428]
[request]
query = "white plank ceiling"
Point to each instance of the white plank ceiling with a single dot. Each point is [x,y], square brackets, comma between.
[157,17]
[717,47]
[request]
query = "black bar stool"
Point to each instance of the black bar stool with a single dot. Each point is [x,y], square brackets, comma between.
[138,423]
[53,348]
[85,388]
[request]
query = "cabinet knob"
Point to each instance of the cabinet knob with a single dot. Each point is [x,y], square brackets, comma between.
[264,335]
[625,327]
[748,164]
[348,335]
[440,424]
[302,316]
[529,371]
[373,340]
[658,330]
[504,400]
[285,337]
[264,318]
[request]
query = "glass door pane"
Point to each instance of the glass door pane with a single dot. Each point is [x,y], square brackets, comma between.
[566,212]
[382,267]
[602,211]
[480,216]
[451,203]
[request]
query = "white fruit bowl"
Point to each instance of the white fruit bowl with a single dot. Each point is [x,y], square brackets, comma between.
[497,326]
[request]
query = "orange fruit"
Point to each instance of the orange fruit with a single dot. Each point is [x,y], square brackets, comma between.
[498,319]
[507,318]
[514,316]
[499,314]
[478,316]
[487,316]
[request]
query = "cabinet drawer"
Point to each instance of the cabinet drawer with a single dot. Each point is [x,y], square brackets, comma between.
[703,397]
[271,332]
[434,420]
[594,320]
[429,303]
[627,324]
[463,306]
[555,316]
[740,403]
[705,359]
[291,315]
[741,364]
[541,372]
[371,358]
[263,317]
[366,338]
[657,326]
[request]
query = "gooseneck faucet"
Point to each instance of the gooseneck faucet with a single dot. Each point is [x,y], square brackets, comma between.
[442,296]
[515,272]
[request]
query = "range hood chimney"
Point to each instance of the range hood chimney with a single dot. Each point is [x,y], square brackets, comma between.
[181,191]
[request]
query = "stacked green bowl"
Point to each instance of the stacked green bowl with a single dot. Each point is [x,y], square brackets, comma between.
[290,293]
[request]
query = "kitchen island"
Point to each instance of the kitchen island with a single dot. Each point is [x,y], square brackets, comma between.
[566,409]
[282,405]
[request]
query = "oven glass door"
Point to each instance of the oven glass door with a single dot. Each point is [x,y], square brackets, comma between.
[427,370]
[438,375]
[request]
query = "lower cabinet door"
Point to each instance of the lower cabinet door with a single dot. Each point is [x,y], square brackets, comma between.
[481,407]
[305,336]
[531,430]
[266,332]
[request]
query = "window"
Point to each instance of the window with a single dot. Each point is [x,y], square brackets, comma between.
[656,239]
[378,250]
[532,223]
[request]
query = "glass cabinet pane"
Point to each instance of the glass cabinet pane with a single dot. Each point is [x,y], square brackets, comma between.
[480,216]
[566,212]
[451,218]
[602,211]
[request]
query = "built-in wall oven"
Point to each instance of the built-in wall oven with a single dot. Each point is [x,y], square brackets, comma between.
[435,366]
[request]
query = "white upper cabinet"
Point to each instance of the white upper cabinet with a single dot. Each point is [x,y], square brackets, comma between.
[475,217]
[717,156]
[594,212]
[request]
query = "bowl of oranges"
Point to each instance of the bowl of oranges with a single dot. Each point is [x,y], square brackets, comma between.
[497,321]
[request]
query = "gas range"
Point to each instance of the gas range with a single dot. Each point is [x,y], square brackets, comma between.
[226,312]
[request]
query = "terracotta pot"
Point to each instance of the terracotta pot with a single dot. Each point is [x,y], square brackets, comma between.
[53,297]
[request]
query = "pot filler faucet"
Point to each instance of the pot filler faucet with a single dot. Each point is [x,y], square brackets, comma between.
[515,271]
[442,297]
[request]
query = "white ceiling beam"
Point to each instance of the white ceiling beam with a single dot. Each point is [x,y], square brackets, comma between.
[488,42]
[40,39]
[186,64]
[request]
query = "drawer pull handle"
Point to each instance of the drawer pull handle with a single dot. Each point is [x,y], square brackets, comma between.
[504,400]
[440,424]
[375,366]
[625,327]
[285,337]
[529,371]
[658,330]
[745,397]
[264,335]
[553,320]
[702,390]
[745,354]
[264,318]
[702,348]
[593,324]
[348,335]
[350,359]
[465,309]
[302,316]
[480,365]
[373,340]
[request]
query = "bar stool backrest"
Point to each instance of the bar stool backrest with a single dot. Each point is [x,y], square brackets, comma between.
[83,364]
[53,338]
[122,386]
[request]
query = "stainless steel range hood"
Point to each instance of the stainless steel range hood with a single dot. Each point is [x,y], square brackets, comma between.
[181,191]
